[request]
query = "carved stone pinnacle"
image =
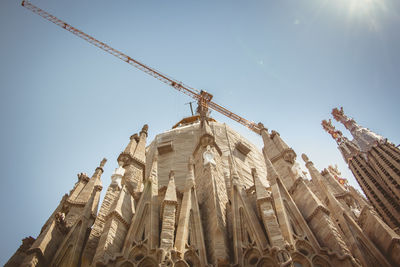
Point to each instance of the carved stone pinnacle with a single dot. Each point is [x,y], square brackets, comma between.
[145,129]
[103,162]
[305,158]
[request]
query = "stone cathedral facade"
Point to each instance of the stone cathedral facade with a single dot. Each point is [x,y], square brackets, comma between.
[202,195]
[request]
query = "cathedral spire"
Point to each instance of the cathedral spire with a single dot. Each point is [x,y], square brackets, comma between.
[92,186]
[130,148]
[90,210]
[364,137]
[94,181]
[98,227]
[133,160]
[140,151]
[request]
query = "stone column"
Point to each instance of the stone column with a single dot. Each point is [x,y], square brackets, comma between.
[168,215]
[267,212]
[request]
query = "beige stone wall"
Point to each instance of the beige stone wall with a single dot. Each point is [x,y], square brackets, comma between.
[184,139]
[111,242]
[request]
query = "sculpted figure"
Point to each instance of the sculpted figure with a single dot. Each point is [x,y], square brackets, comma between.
[208,156]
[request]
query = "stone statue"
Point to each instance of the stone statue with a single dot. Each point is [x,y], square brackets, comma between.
[208,157]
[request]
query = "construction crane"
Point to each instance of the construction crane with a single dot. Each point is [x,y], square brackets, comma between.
[203,98]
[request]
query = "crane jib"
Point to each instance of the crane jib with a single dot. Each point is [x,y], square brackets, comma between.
[203,97]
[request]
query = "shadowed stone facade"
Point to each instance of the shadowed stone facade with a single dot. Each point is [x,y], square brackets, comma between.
[202,195]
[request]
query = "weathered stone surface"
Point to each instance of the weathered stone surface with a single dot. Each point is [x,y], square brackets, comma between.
[226,203]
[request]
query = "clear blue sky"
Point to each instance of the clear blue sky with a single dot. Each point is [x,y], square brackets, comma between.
[65,104]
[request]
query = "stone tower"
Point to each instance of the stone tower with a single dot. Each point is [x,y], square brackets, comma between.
[375,163]
[202,195]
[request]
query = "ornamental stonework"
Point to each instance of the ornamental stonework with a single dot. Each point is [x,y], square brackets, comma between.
[202,195]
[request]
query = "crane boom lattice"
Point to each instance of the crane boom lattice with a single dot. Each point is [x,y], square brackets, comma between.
[202,97]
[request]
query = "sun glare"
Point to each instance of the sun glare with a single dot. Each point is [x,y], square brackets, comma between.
[364,6]
[366,10]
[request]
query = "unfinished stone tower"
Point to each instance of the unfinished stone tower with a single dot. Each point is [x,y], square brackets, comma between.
[202,195]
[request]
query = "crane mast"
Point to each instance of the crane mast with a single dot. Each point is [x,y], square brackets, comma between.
[203,97]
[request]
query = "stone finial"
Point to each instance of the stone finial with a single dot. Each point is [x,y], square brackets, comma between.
[305,158]
[103,162]
[263,132]
[261,126]
[307,161]
[145,129]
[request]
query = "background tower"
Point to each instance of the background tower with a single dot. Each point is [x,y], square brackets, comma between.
[375,163]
